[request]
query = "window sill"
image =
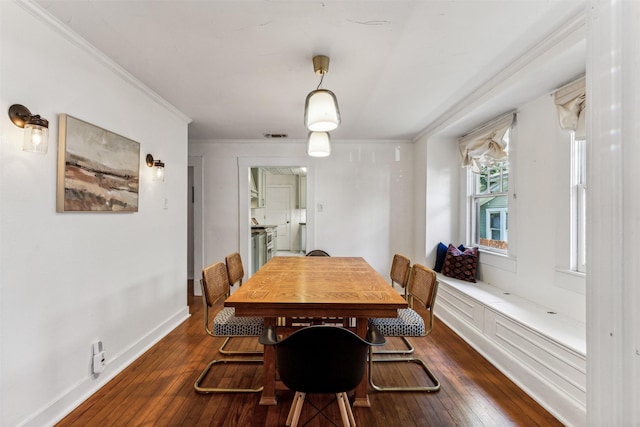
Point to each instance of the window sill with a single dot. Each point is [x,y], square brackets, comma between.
[570,280]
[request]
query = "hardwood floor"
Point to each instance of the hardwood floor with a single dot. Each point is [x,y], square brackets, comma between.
[157,389]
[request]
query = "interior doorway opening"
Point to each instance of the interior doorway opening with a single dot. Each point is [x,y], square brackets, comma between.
[254,173]
[278,212]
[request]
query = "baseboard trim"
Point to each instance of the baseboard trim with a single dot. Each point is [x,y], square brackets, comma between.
[78,393]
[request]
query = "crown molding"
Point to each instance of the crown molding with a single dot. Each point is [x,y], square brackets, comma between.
[45,16]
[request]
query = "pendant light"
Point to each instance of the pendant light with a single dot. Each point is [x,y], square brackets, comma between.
[321,113]
[319,144]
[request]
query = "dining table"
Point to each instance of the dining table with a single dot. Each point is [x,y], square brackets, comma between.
[314,287]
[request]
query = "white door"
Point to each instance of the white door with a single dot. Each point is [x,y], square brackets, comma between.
[278,212]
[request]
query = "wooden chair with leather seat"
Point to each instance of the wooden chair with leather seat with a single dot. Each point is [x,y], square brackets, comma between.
[321,359]
[215,287]
[422,289]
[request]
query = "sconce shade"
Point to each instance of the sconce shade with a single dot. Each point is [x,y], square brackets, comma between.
[158,173]
[36,129]
[321,113]
[319,144]
[158,167]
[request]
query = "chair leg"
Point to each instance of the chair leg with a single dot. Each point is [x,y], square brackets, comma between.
[296,409]
[417,360]
[409,349]
[223,350]
[207,390]
[350,420]
[343,409]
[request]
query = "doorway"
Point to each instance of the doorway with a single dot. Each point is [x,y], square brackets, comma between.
[276,170]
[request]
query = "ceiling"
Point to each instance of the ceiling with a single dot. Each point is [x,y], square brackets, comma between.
[240,69]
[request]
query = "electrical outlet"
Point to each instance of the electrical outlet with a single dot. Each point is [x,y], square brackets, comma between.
[99,358]
[99,362]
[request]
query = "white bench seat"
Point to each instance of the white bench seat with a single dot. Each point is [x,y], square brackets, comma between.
[542,352]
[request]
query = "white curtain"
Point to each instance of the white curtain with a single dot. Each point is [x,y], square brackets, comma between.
[571,103]
[485,145]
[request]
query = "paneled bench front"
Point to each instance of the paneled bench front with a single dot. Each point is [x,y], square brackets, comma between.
[541,351]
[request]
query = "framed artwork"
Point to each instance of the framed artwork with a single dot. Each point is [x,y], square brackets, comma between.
[98,170]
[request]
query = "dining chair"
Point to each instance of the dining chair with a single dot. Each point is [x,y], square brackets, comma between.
[422,288]
[317,252]
[235,271]
[400,269]
[215,287]
[235,274]
[321,359]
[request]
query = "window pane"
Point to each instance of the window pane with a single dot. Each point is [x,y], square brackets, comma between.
[492,221]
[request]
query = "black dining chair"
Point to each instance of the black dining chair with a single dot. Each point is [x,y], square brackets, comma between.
[321,359]
[317,252]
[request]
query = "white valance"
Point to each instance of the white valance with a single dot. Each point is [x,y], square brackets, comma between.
[571,103]
[485,145]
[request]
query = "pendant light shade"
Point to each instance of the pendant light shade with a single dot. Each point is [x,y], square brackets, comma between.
[319,144]
[321,112]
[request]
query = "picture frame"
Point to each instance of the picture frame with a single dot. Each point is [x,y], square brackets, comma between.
[98,170]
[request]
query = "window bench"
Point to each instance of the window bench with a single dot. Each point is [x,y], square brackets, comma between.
[544,353]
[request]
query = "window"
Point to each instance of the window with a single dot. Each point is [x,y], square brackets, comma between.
[570,101]
[490,206]
[578,204]
[485,153]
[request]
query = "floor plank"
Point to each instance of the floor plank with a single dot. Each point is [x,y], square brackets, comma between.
[157,389]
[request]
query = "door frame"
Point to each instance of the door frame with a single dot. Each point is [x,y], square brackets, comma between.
[244,200]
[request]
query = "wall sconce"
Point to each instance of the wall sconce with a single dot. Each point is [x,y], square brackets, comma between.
[36,129]
[319,144]
[158,171]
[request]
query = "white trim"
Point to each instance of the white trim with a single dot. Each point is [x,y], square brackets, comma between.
[71,398]
[39,12]
[566,34]
[198,220]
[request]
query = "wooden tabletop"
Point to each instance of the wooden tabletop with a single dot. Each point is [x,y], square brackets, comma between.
[316,286]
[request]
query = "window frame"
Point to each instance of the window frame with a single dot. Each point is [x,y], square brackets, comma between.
[578,244]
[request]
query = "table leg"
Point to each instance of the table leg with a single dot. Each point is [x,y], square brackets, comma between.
[269,370]
[361,396]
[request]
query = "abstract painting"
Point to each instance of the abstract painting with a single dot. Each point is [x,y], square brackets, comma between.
[98,170]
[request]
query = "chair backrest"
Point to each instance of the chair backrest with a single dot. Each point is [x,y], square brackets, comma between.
[235,272]
[215,283]
[317,252]
[423,287]
[322,359]
[400,267]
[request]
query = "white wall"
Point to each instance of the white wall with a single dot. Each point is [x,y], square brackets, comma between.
[68,279]
[366,196]
[540,216]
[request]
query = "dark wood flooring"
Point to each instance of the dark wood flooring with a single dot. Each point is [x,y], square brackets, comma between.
[157,389]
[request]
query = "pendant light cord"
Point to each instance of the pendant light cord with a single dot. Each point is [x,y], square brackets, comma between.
[321,78]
